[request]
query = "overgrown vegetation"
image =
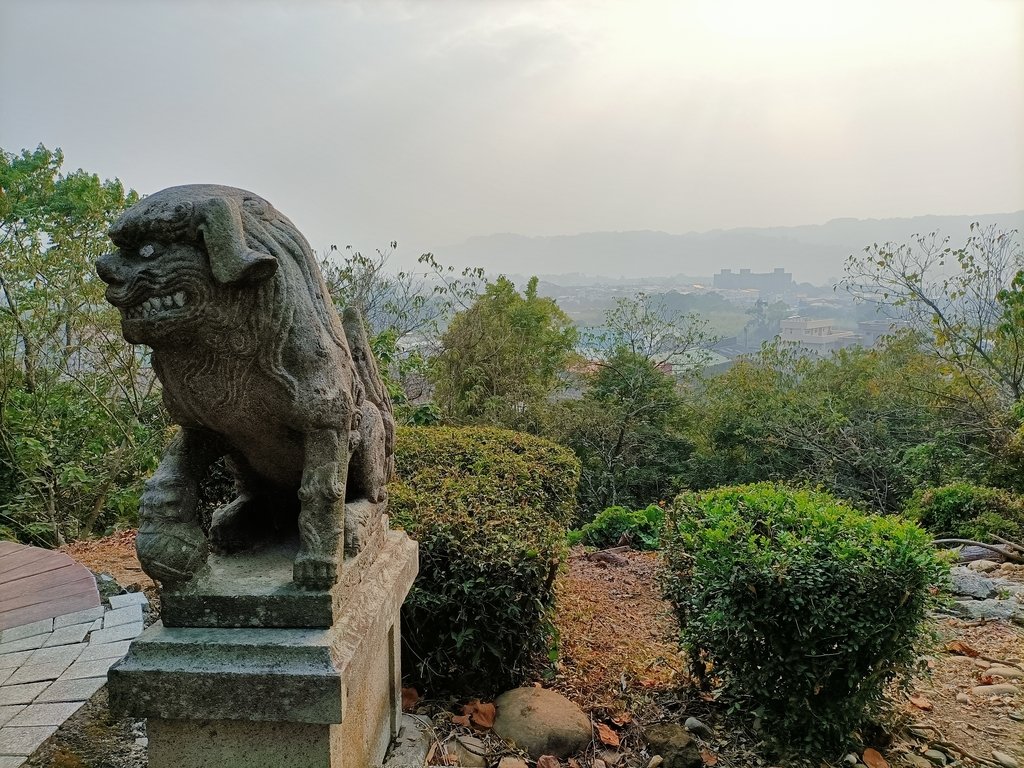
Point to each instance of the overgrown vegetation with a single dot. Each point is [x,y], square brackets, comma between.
[638,528]
[490,509]
[961,510]
[804,607]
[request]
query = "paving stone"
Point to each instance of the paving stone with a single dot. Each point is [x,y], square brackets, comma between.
[11,762]
[67,635]
[79,617]
[97,668]
[105,650]
[130,614]
[98,624]
[45,714]
[130,598]
[26,630]
[122,632]
[60,655]
[20,694]
[24,644]
[79,689]
[16,740]
[33,673]
[6,713]
[13,660]
[6,673]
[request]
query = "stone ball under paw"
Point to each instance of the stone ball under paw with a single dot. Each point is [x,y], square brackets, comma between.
[173,552]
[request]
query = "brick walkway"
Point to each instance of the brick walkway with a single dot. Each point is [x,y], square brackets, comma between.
[50,667]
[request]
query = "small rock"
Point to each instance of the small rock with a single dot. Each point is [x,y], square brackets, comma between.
[983,566]
[598,763]
[470,752]
[508,761]
[675,745]
[693,725]
[1005,760]
[610,757]
[981,663]
[985,609]
[851,759]
[412,744]
[656,761]
[542,722]
[963,698]
[935,757]
[1018,716]
[999,689]
[1010,673]
[916,761]
[970,584]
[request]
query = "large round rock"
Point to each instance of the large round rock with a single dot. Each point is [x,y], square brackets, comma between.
[542,722]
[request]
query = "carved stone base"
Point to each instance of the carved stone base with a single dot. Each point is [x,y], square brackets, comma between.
[302,698]
[255,588]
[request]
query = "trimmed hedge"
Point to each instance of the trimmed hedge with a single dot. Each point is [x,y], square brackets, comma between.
[968,511]
[804,606]
[641,526]
[490,509]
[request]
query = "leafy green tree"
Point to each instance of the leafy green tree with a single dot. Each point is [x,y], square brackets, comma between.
[80,421]
[503,357]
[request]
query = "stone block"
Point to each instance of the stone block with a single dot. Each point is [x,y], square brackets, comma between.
[73,633]
[127,599]
[26,630]
[23,644]
[258,590]
[13,660]
[87,616]
[24,740]
[21,694]
[323,697]
[6,713]
[75,689]
[114,634]
[64,654]
[82,669]
[105,650]
[46,714]
[130,614]
[33,673]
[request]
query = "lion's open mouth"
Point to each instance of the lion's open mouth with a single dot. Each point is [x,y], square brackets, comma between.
[155,305]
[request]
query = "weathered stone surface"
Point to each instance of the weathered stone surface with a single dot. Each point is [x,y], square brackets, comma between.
[542,722]
[674,743]
[999,689]
[986,609]
[470,752]
[967,583]
[257,367]
[410,747]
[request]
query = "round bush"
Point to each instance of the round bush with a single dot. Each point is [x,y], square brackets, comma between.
[489,508]
[641,526]
[968,511]
[804,606]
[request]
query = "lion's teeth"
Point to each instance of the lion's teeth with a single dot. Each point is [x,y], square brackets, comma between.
[179,299]
[167,301]
[154,303]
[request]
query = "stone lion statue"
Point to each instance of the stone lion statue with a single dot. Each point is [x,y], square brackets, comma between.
[257,367]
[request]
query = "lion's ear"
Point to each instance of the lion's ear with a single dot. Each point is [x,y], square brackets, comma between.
[231,260]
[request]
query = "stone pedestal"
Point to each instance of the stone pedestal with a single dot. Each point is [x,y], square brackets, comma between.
[259,673]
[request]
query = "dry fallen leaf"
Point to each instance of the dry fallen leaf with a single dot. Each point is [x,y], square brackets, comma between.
[410,698]
[574,763]
[547,761]
[872,759]
[462,720]
[921,703]
[482,715]
[622,718]
[607,735]
[709,758]
[961,648]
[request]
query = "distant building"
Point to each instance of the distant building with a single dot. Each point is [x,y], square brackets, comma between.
[874,331]
[816,336]
[776,281]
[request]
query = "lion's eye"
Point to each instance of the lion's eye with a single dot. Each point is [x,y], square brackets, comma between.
[147,251]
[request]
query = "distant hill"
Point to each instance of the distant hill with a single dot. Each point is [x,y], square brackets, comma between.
[813,253]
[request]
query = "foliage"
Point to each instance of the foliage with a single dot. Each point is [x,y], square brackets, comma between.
[490,510]
[80,422]
[501,358]
[804,606]
[641,527]
[870,425]
[646,326]
[961,510]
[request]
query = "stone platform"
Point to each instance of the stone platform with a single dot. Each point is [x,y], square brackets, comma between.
[313,697]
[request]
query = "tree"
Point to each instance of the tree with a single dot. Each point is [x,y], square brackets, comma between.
[501,358]
[645,326]
[80,421]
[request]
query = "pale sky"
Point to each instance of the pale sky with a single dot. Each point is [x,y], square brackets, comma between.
[429,122]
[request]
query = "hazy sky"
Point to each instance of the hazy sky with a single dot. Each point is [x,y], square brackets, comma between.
[428,122]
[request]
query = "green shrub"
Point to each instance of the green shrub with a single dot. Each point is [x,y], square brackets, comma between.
[968,511]
[641,526]
[804,606]
[490,510]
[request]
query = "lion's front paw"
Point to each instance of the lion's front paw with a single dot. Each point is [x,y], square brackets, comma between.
[315,571]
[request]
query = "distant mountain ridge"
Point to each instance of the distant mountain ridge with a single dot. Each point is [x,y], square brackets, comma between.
[812,252]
